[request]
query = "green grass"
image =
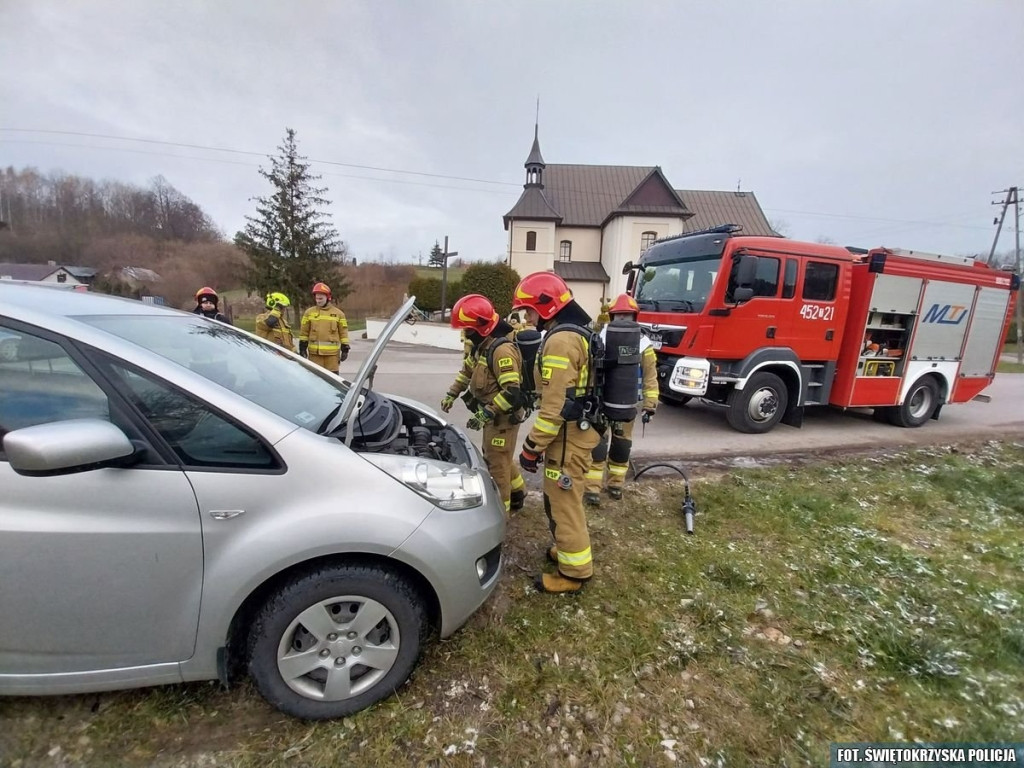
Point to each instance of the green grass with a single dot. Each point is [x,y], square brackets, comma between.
[868,598]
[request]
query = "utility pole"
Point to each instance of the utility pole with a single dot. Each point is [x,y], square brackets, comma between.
[444,275]
[1013,197]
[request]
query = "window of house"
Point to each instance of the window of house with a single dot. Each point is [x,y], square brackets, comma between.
[565,251]
[647,240]
[820,281]
[62,277]
[789,280]
[531,241]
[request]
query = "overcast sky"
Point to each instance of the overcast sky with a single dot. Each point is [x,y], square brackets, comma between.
[870,123]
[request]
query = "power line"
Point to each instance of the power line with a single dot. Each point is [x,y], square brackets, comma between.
[256,154]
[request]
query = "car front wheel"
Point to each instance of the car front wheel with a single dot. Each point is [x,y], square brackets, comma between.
[332,642]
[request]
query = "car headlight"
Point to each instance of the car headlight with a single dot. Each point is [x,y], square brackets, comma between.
[448,486]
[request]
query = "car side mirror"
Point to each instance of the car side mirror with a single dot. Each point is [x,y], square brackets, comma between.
[627,267]
[66,447]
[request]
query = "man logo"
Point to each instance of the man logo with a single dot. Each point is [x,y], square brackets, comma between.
[948,314]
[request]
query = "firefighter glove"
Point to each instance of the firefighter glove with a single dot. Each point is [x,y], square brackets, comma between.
[529,458]
[344,351]
[303,347]
[648,415]
[272,320]
[479,419]
[447,402]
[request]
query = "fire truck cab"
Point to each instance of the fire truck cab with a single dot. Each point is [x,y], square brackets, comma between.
[767,326]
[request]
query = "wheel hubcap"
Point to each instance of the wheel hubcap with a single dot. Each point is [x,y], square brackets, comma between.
[763,405]
[338,648]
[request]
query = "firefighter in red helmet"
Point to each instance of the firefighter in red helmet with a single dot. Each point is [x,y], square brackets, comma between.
[491,371]
[323,334]
[557,443]
[206,305]
[617,454]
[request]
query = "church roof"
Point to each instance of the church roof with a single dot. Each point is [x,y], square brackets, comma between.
[712,208]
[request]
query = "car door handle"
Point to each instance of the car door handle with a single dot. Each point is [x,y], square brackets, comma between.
[225,514]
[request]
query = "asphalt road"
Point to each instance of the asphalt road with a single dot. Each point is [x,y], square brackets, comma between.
[699,431]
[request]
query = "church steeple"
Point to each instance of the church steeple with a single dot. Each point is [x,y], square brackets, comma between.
[535,163]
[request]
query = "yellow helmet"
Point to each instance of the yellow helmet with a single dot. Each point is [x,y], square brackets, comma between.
[274,298]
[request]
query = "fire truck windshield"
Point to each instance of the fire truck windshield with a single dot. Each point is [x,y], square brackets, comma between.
[677,286]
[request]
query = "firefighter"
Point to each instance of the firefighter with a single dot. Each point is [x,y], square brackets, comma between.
[206,305]
[491,370]
[557,442]
[272,325]
[323,334]
[617,455]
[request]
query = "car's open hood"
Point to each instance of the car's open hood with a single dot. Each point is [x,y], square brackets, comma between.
[365,376]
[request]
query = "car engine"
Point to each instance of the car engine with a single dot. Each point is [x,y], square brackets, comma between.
[384,426]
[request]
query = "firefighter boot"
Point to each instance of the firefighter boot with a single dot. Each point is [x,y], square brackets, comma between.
[557,584]
[592,499]
[615,492]
[517,500]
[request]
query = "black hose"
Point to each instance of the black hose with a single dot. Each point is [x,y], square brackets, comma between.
[689,505]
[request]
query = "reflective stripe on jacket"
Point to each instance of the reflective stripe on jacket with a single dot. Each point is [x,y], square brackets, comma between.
[324,329]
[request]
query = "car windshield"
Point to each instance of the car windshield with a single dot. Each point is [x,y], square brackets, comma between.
[677,286]
[233,359]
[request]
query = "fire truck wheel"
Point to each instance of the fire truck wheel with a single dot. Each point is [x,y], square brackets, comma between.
[758,406]
[918,406]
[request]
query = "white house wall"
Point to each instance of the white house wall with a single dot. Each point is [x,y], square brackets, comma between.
[526,262]
[68,278]
[586,242]
[622,238]
[588,295]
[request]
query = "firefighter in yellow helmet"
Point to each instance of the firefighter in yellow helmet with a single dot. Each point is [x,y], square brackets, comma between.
[557,443]
[617,455]
[323,335]
[491,370]
[272,325]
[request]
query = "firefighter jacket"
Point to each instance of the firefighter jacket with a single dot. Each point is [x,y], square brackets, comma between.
[325,329]
[493,375]
[273,327]
[563,371]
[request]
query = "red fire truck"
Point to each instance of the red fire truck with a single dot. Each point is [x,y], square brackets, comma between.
[767,326]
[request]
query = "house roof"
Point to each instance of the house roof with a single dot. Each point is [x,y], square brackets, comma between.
[713,208]
[32,272]
[535,157]
[587,195]
[532,204]
[81,272]
[581,271]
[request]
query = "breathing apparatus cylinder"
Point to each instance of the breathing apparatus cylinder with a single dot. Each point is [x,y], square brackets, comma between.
[620,368]
[528,342]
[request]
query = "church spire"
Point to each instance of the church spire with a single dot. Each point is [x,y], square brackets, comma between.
[535,162]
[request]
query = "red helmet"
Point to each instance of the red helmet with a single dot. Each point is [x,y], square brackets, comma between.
[206,291]
[544,292]
[323,288]
[475,313]
[624,304]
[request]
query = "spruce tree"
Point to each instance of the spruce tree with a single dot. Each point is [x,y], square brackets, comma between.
[290,241]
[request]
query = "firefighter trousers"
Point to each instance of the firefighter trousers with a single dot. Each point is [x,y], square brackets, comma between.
[569,454]
[615,455]
[330,362]
[500,446]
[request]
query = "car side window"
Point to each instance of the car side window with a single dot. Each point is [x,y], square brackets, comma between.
[40,383]
[820,281]
[766,281]
[197,434]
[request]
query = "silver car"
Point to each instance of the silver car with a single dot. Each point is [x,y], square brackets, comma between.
[184,501]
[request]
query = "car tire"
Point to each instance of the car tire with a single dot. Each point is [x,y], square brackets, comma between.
[759,406]
[334,641]
[918,406]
